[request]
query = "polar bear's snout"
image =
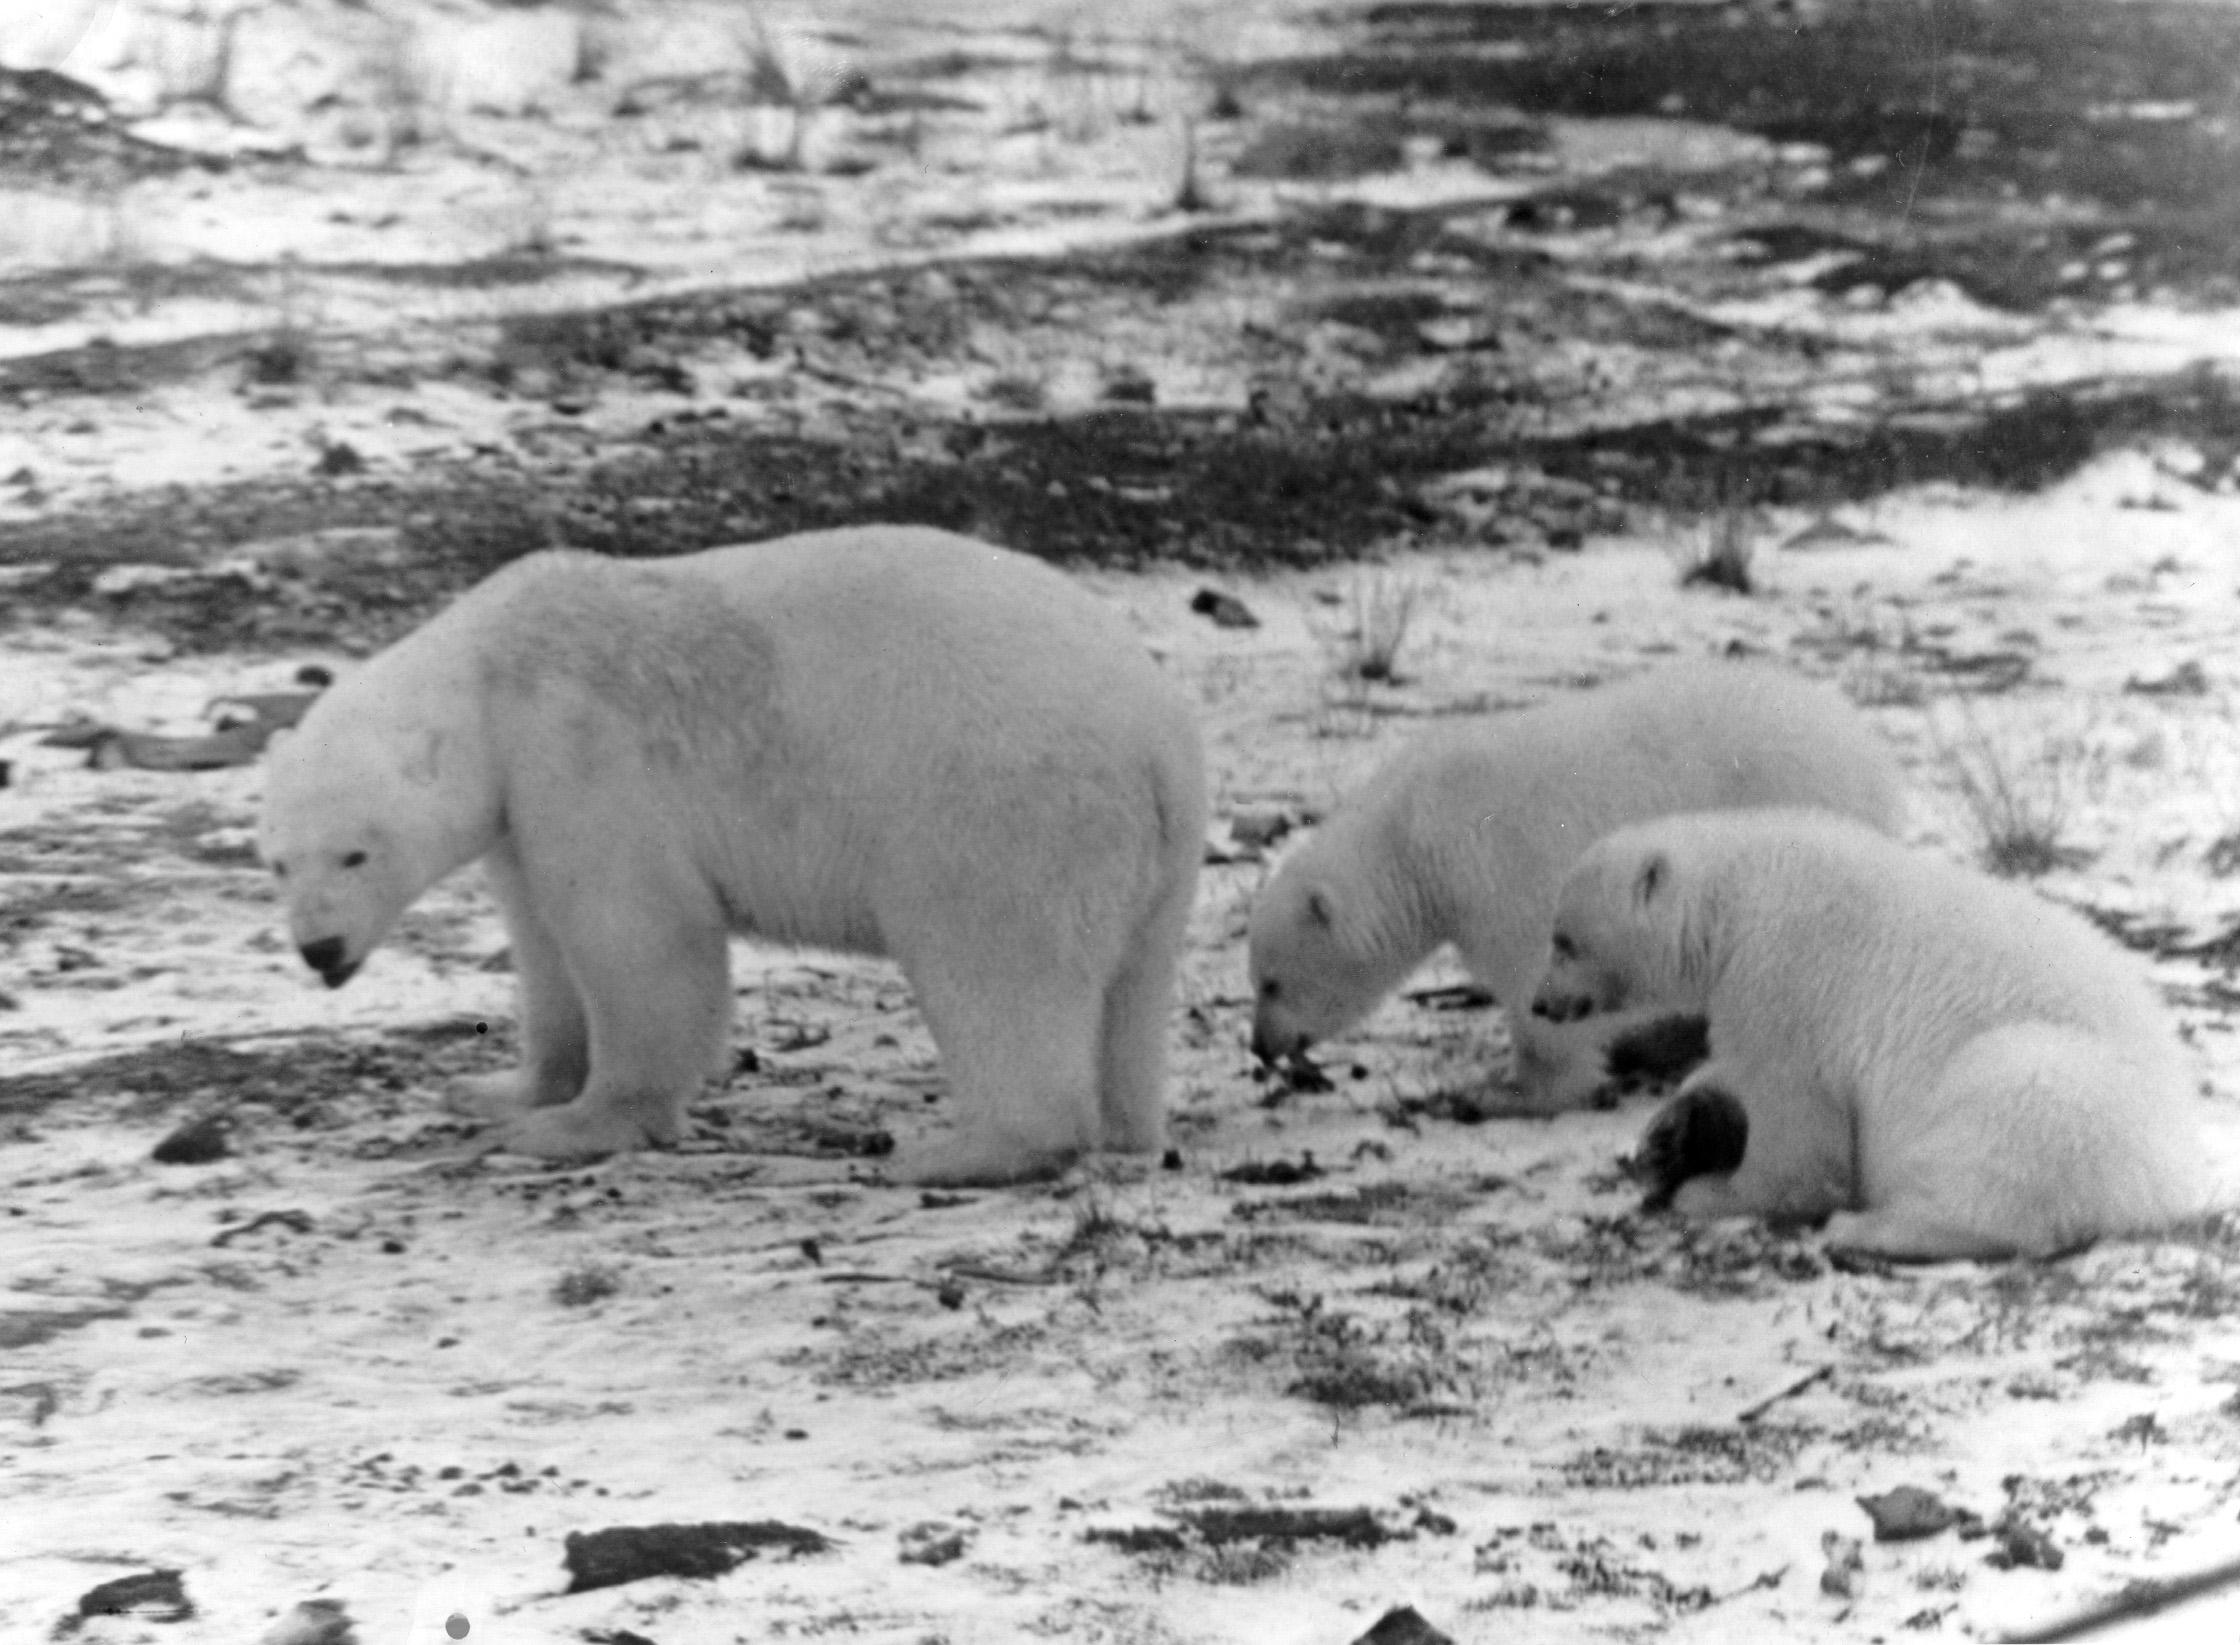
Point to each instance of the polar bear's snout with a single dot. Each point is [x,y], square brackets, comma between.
[328,957]
[1557,1004]
[1274,1039]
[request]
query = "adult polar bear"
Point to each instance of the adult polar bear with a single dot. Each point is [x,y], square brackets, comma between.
[884,739]
[1952,1066]
[1464,837]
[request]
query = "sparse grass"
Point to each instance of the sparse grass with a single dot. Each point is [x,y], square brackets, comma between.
[790,71]
[1721,555]
[585,1284]
[525,222]
[285,354]
[1383,611]
[2021,805]
[1190,194]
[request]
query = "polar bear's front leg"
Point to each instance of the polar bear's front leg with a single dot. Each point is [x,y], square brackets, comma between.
[657,990]
[555,1039]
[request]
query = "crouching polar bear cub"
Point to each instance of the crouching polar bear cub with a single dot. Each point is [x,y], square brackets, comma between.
[884,740]
[1952,1066]
[1465,835]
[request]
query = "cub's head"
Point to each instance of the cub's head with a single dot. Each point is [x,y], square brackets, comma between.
[1629,929]
[1318,966]
[353,828]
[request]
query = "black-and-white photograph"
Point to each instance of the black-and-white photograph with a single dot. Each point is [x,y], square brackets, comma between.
[1150,822]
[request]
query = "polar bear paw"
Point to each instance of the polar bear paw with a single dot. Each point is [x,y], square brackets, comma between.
[489,1096]
[977,1163]
[572,1131]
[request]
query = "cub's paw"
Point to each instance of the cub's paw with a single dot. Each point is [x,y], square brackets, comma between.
[571,1131]
[1702,1132]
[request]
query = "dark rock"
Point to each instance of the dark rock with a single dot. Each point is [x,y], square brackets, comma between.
[152,1596]
[630,1553]
[1226,610]
[2020,1543]
[313,1622]
[934,1543]
[198,1142]
[1280,1173]
[1403,1625]
[1909,1513]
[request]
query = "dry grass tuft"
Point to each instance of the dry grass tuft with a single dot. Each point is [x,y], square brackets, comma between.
[2020,804]
[1721,556]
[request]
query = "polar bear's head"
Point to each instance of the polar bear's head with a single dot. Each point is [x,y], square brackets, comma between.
[1631,928]
[358,820]
[1321,958]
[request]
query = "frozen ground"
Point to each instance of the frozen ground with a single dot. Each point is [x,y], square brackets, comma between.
[356,1360]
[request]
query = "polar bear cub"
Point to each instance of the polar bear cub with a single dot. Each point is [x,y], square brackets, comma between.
[883,740]
[1951,1065]
[1464,837]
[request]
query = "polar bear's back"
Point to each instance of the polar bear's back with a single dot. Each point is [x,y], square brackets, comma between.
[1957,951]
[849,635]
[1692,736]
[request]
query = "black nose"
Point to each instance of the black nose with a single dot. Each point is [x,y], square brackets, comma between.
[323,956]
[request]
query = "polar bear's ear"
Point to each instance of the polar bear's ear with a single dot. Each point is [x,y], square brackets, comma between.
[1652,878]
[1318,909]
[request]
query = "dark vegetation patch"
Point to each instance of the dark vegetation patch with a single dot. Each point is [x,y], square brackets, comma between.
[291,1080]
[1213,489]
[631,1553]
[1693,1455]
[1994,125]
[59,130]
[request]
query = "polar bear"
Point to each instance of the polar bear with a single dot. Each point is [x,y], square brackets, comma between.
[1949,1064]
[884,740]
[1464,836]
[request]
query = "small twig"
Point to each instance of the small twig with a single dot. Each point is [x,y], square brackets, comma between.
[1752,1413]
[1000,1276]
[297,1221]
[2134,1599]
[866,1276]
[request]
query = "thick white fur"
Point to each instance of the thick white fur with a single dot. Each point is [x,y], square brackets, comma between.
[1465,835]
[1951,1065]
[884,740]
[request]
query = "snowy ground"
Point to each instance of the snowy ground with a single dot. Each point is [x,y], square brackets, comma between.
[357,1360]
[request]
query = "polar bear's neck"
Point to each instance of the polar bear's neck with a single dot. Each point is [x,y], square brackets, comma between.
[423,692]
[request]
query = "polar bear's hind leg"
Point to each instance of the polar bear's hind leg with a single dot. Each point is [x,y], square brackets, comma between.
[1021,1052]
[1138,1007]
[1920,1233]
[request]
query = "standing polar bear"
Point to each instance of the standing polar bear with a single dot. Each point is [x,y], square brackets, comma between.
[1464,837]
[884,740]
[1952,1066]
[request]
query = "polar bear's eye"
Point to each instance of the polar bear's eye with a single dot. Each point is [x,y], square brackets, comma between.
[354,859]
[279,870]
[1270,989]
[1565,948]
